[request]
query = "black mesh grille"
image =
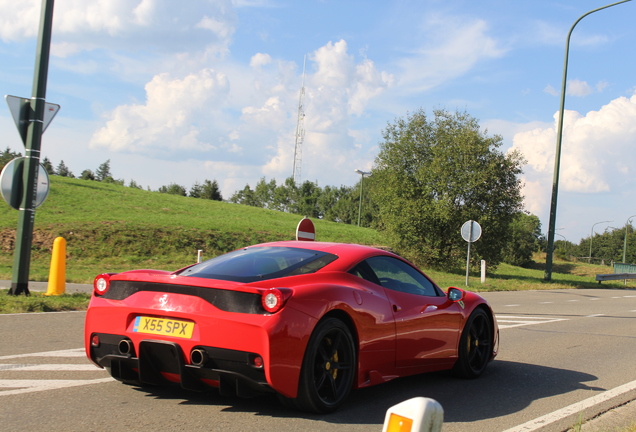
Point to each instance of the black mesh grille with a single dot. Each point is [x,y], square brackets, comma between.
[226,300]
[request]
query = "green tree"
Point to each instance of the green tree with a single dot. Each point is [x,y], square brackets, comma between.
[173,189]
[63,171]
[244,196]
[210,190]
[431,176]
[87,175]
[7,156]
[48,166]
[103,172]
[134,184]
[195,190]
[523,240]
[264,192]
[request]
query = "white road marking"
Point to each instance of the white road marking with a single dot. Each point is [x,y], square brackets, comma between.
[10,387]
[595,315]
[511,305]
[49,367]
[573,409]
[29,386]
[510,321]
[77,352]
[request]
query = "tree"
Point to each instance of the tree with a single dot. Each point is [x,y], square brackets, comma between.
[63,171]
[87,175]
[103,172]
[195,190]
[245,197]
[7,156]
[210,190]
[173,189]
[134,184]
[431,176]
[523,240]
[46,163]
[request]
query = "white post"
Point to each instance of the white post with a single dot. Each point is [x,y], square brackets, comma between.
[199,255]
[483,271]
[414,415]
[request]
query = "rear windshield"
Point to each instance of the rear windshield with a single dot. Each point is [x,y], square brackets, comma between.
[260,263]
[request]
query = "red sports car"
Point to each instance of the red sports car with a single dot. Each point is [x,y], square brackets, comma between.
[308,321]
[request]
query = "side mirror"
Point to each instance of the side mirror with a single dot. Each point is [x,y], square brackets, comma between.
[455,294]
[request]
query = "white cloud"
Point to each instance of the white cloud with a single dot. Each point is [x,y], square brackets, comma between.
[550,90]
[578,88]
[596,153]
[174,117]
[260,59]
[454,46]
[128,25]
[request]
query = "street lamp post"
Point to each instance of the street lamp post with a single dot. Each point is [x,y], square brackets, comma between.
[557,156]
[592,236]
[362,174]
[628,222]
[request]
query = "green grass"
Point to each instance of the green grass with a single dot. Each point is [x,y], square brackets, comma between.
[39,302]
[111,228]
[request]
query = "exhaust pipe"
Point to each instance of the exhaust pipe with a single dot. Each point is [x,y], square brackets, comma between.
[125,347]
[199,357]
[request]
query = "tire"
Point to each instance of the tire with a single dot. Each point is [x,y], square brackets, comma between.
[328,370]
[475,345]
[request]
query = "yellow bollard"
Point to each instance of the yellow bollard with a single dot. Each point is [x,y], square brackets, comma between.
[57,274]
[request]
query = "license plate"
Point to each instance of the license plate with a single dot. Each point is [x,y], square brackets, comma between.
[163,326]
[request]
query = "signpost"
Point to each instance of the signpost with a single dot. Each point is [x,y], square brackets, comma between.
[305,231]
[30,122]
[471,232]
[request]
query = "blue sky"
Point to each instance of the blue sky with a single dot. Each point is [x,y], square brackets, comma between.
[180,92]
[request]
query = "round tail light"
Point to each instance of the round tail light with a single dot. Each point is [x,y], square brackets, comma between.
[101,284]
[272,300]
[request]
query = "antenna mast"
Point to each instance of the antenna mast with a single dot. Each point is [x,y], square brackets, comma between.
[300,131]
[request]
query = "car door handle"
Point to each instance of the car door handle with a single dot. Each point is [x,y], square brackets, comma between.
[429,308]
[396,308]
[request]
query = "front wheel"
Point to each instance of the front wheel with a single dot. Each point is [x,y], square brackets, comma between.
[475,345]
[328,369]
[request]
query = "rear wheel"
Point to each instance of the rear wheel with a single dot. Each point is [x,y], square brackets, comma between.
[475,345]
[328,369]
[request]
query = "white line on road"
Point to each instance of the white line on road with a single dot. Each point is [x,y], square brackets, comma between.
[29,386]
[510,321]
[573,409]
[76,352]
[49,367]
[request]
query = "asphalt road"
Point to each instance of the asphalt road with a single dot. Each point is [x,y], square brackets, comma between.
[558,348]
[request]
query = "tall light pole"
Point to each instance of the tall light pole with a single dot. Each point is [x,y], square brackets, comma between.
[362,174]
[557,156]
[592,236]
[628,222]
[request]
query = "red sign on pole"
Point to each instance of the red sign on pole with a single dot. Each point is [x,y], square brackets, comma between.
[305,230]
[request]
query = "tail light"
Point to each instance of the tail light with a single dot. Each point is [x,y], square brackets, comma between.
[101,284]
[274,299]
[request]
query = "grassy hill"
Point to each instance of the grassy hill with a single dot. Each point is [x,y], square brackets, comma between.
[114,228]
[111,228]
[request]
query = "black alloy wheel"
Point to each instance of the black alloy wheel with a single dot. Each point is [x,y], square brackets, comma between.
[475,345]
[328,369]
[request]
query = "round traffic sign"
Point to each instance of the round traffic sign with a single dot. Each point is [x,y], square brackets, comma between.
[305,230]
[471,231]
[11,183]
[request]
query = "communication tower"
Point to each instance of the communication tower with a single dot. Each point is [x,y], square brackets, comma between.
[300,131]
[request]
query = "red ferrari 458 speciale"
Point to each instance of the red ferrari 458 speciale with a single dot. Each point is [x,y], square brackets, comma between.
[308,321]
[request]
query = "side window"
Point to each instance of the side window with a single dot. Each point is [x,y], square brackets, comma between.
[399,276]
[363,271]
